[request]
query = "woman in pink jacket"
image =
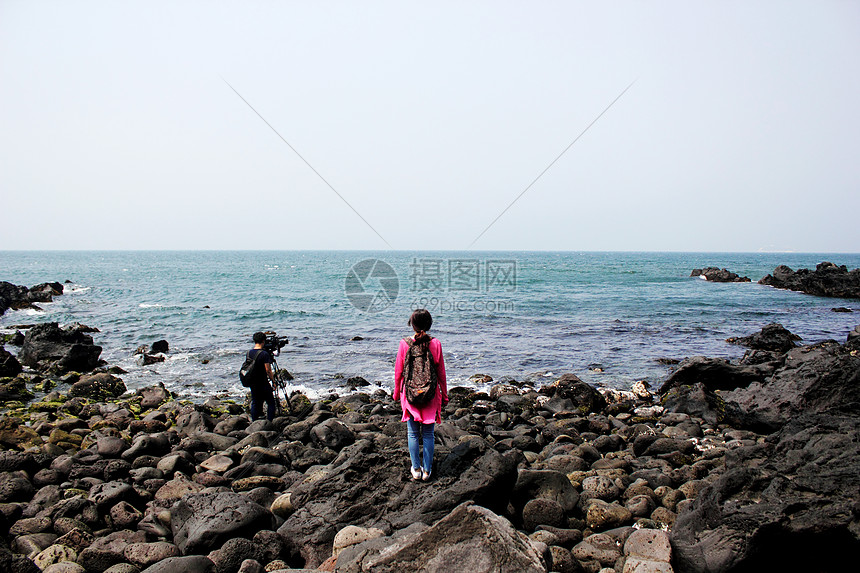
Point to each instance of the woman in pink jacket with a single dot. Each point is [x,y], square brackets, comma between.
[420,419]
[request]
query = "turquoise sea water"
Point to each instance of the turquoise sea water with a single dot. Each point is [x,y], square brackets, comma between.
[516,314]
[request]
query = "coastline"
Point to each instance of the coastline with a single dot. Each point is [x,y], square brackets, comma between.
[607,317]
[561,477]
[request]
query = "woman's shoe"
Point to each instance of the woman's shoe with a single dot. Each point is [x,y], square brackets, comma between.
[416,474]
[425,475]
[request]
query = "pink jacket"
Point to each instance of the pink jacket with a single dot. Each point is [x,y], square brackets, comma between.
[431,412]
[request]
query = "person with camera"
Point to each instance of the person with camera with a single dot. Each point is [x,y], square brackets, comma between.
[262,386]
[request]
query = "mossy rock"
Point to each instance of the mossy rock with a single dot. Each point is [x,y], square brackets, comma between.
[70,378]
[15,435]
[46,406]
[45,385]
[102,386]
[13,390]
[61,437]
[301,404]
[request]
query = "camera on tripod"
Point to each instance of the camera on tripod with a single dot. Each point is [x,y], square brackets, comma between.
[274,343]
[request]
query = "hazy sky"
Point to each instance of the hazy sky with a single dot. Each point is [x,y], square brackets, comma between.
[741,133]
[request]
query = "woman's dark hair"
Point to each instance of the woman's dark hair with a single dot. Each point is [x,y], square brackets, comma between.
[420,320]
[259,338]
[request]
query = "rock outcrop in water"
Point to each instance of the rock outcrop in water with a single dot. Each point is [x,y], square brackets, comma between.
[716,275]
[827,279]
[740,469]
[773,338]
[49,348]
[17,297]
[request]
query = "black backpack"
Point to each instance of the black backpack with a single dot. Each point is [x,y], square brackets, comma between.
[250,370]
[419,372]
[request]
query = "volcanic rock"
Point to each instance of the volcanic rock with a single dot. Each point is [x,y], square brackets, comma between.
[716,275]
[100,386]
[9,365]
[774,337]
[827,279]
[817,378]
[48,347]
[471,538]
[715,374]
[204,521]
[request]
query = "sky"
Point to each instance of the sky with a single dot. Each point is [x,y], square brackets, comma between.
[414,125]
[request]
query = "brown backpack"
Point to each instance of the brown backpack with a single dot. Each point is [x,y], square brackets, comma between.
[419,371]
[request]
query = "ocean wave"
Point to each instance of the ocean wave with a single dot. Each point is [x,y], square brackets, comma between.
[33,311]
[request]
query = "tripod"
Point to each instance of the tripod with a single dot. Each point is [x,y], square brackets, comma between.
[281,378]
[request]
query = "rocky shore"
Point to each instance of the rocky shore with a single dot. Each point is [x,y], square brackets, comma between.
[18,297]
[827,279]
[734,466]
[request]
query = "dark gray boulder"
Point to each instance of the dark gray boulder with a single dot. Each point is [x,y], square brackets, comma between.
[774,337]
[44,292]
[853,339]
[583,397]
[9,365]
[229,557]
[544,484]
[814,378]
[17,297]
[717,275]
[715,374]
[827,279]
[204,521]
[369,486]
[15,389]
[159,347]
[153,396]
[191,563]
[471,538]
[14,486]
[101,386]
[332,434]
[47,347]
[109,550]
[777,501]
[696,400]
[12,296]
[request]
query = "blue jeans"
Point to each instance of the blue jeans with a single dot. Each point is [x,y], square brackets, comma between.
[416,434]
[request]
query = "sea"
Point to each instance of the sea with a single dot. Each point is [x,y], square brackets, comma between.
[608,317]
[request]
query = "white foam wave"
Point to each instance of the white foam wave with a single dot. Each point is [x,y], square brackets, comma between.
[147,305]
[311,393]
[182,357]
